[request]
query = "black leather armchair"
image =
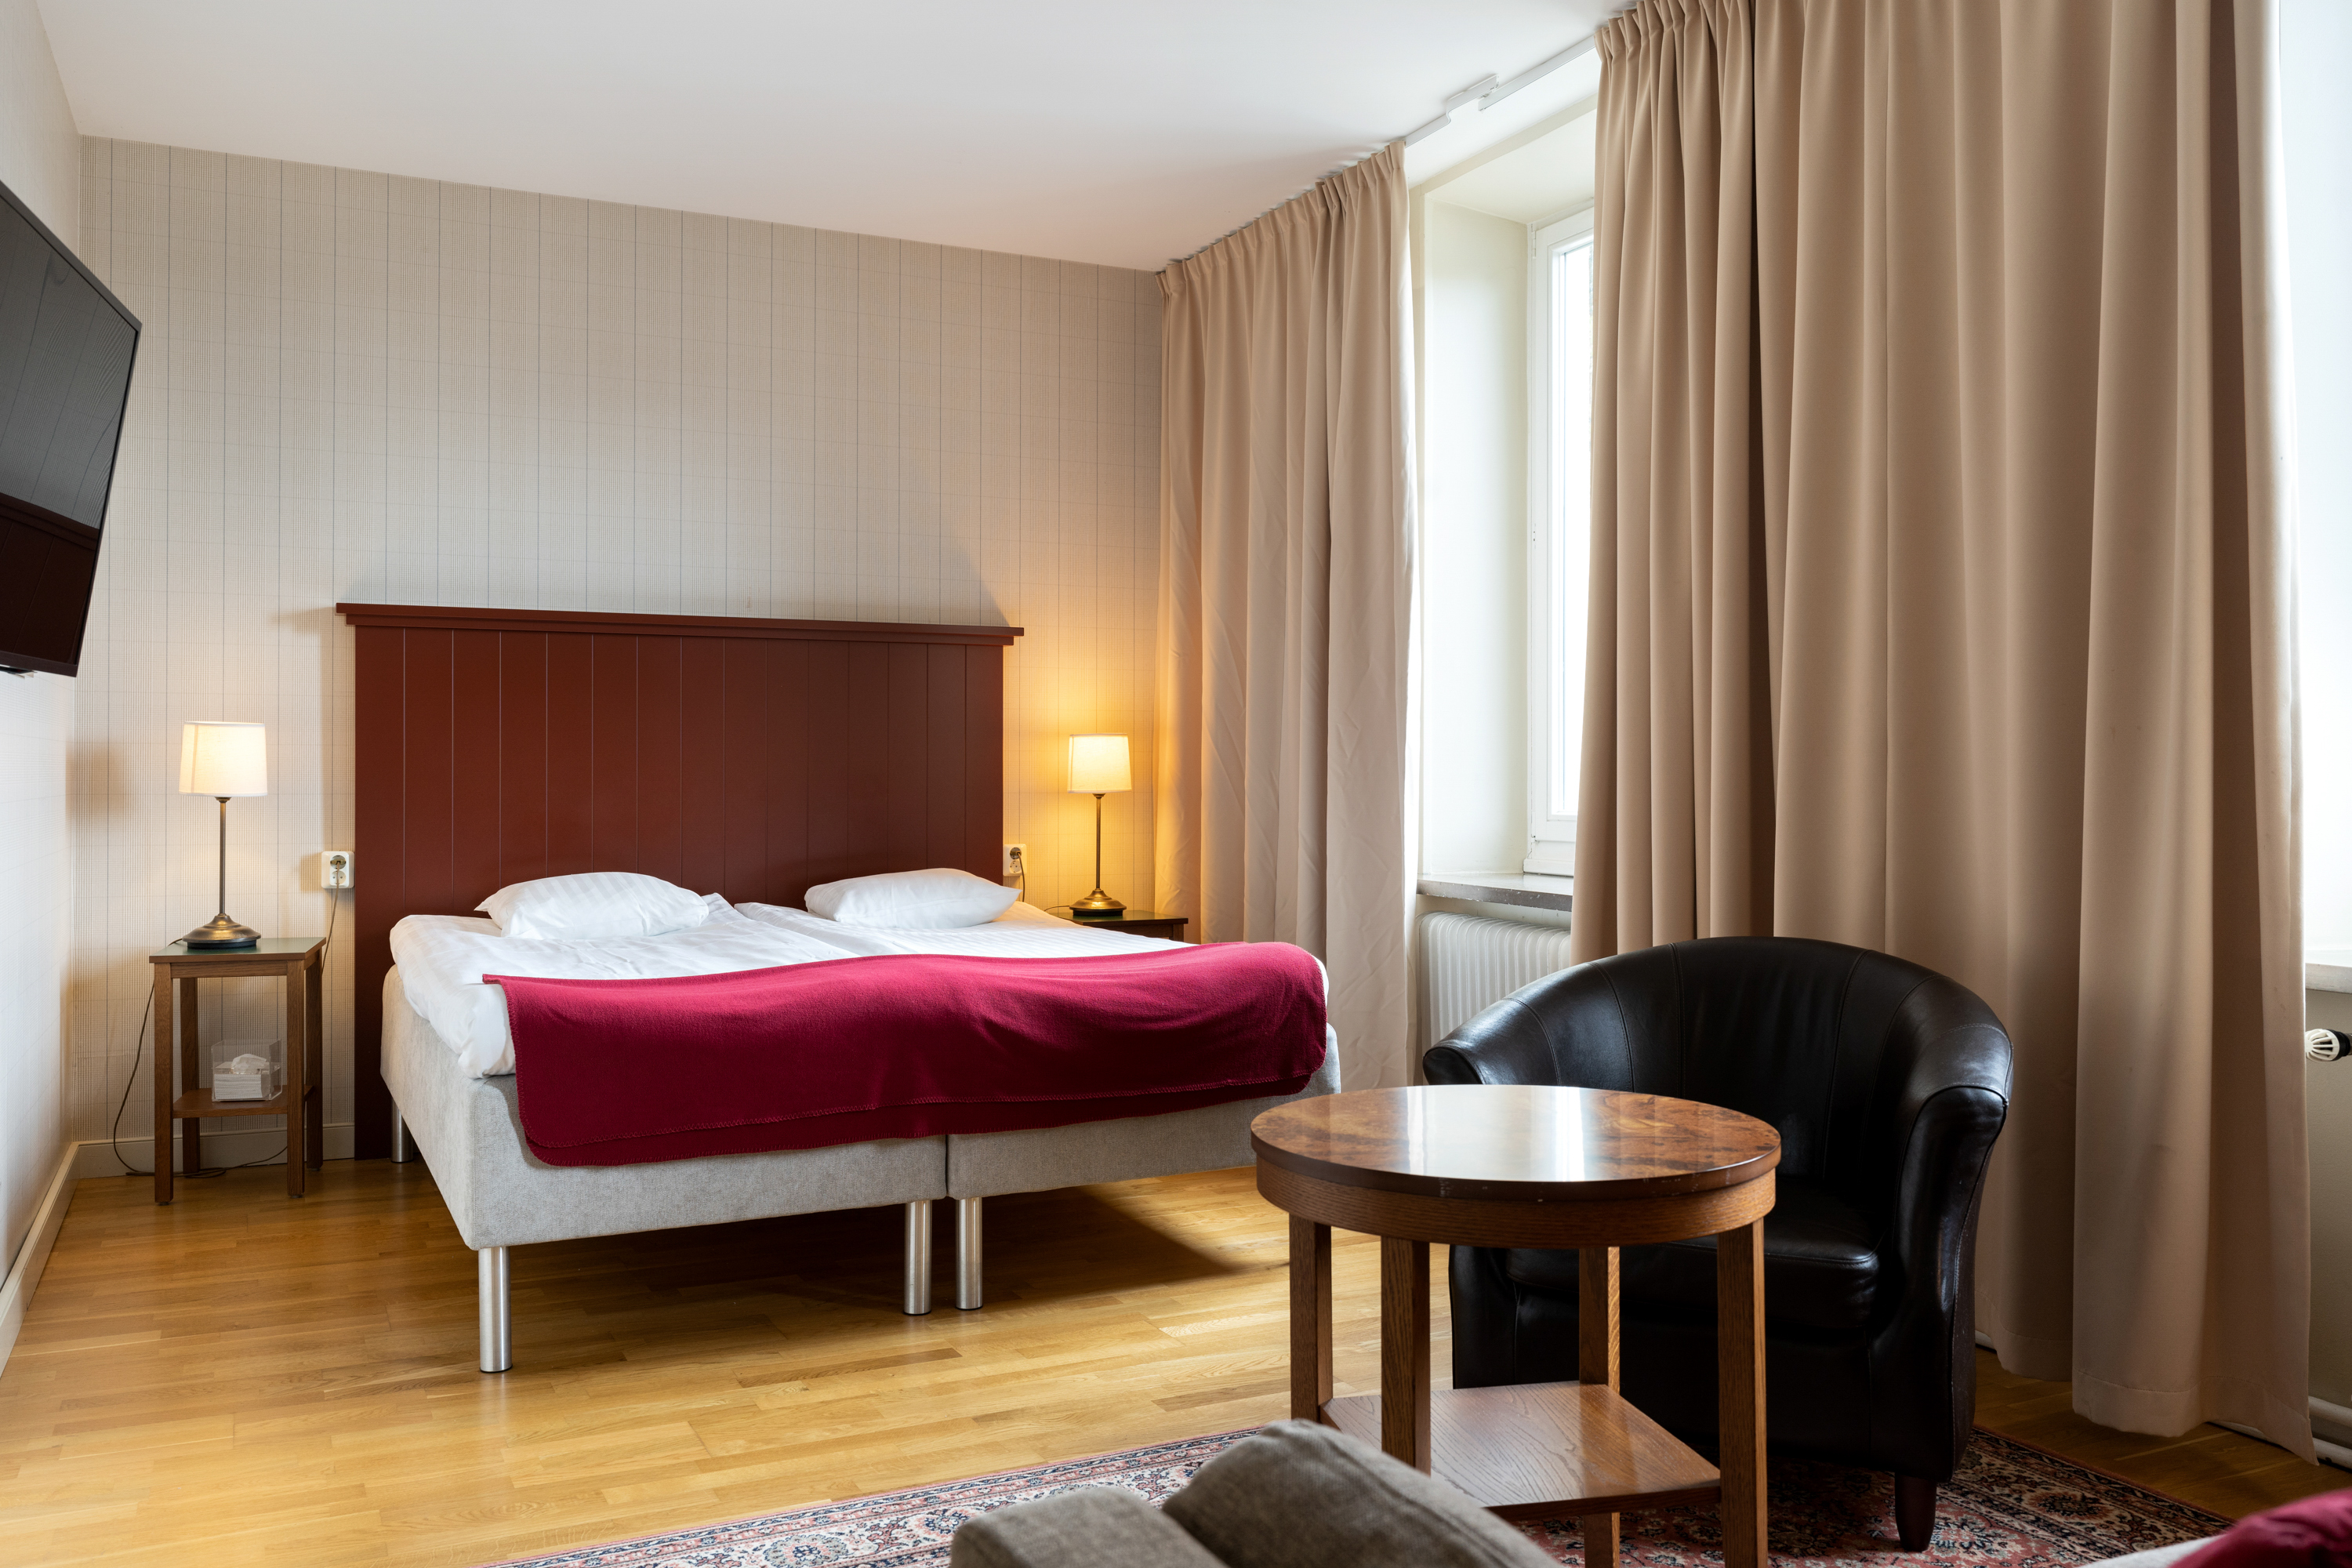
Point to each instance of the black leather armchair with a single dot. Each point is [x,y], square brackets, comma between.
[1887,1083]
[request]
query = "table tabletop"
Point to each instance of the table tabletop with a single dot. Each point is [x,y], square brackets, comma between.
[1515,1142]
[268,947]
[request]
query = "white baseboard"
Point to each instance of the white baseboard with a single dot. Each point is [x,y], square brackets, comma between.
[246,1144]
[2333,1424]
[16,1292]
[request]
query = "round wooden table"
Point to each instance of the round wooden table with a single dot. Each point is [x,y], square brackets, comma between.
[1527,1165]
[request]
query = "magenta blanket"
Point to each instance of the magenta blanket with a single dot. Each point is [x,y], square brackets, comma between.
[620,1072]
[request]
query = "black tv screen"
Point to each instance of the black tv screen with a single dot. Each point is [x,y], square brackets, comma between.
[66,347]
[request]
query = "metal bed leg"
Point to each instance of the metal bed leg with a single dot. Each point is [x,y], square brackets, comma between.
[918,1299]
[968,1293]
[496,1313]
[403,1151]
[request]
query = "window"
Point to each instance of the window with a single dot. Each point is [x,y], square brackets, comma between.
[1559,507]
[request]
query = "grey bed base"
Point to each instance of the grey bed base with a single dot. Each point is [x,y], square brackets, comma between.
[469,1135]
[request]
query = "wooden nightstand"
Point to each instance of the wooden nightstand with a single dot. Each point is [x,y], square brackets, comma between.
[1143,922]
[298,961]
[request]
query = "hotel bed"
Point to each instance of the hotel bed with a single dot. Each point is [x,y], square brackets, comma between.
[755,758]
[455,1091]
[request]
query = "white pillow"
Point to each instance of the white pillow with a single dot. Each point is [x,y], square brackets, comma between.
[912,901]
[595,906]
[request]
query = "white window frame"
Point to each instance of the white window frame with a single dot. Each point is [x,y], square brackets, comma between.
[1558,570]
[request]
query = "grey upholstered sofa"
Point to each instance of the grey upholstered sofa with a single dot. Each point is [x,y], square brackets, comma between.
[1296,1495]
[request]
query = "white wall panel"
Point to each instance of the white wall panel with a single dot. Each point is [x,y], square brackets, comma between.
[359,386]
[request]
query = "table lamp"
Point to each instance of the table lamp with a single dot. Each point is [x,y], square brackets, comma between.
[222,759]
[1097,767]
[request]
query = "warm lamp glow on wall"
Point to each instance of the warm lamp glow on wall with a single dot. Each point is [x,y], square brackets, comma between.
[222,760]
[1098,767]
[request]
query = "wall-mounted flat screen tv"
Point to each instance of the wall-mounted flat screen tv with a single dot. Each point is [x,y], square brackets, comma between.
[66,346]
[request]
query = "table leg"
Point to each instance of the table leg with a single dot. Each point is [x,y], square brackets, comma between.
[1596,1363]
[192,1127]
[1739,1361]
[314,1076]
[1404,1351]
[297,1108]
[159,1070]
[1310,1319]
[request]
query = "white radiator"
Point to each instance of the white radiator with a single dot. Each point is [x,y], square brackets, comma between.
[1468,962]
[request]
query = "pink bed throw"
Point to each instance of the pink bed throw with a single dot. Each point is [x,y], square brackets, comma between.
[622,1072]
[2312,1532]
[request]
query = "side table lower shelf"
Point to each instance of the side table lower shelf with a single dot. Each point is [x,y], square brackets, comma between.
[202,1103]
[1544,1450]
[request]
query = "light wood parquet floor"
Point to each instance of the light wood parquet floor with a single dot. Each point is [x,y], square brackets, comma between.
[242,1378]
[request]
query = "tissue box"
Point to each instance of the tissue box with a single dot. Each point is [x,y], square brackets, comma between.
[261,1084]
[245,1085]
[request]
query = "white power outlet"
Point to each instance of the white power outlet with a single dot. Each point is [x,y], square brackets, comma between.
[335,869]
[1016,858]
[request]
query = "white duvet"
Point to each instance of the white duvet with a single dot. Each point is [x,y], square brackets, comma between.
[441,959]
[1021,931]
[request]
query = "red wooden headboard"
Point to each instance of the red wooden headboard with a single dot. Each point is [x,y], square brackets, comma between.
[749,758]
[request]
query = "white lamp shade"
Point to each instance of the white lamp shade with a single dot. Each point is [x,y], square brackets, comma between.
[1099,764]
[223,758]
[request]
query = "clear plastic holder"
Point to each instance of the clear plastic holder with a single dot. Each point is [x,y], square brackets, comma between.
[247,1070]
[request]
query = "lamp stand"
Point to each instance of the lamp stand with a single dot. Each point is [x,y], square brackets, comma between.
[220,931]
[1097,905]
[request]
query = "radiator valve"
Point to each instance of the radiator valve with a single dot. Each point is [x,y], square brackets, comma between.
[2327,1045]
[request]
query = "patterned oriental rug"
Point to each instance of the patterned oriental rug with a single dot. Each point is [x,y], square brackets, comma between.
[2011,1506]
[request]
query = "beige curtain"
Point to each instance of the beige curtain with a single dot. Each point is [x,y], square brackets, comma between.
[1285,574]
[1942,604]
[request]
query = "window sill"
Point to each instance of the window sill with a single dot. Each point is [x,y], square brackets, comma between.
[2327,969]
[1530,890]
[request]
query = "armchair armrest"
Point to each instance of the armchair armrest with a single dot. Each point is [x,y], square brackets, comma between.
[1569,1029]
[1951,1106]
[1505,1044]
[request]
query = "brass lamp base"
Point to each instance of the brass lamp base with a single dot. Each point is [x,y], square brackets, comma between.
[221,931]
[1097,905]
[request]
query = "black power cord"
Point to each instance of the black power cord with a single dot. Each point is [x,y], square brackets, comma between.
[137,1050]
[114,1138]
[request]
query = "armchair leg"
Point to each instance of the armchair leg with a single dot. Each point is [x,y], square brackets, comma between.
[1915,1511]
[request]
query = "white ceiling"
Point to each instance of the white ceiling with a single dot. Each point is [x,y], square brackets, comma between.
[1122,134]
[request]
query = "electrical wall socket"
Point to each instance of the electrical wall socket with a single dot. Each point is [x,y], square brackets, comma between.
[1016,857]
[335,869]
